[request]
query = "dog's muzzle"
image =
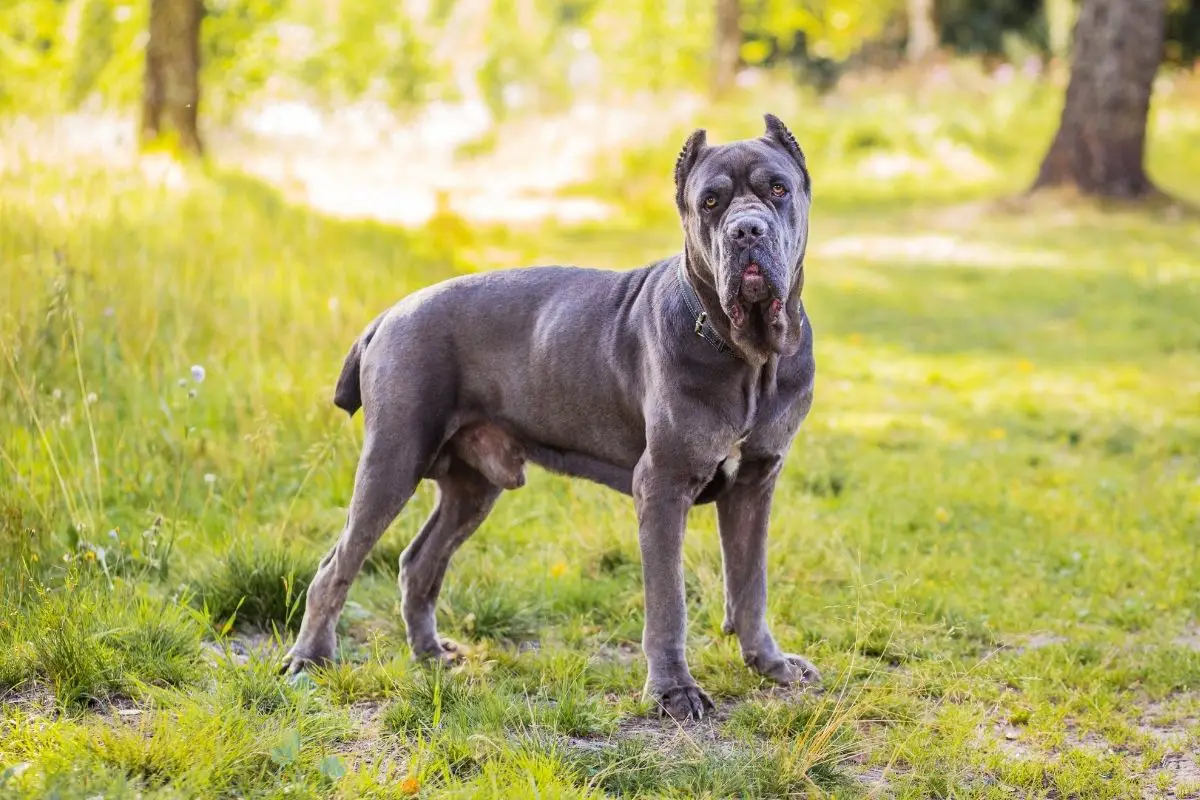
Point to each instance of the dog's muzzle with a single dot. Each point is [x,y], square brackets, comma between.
[757,278]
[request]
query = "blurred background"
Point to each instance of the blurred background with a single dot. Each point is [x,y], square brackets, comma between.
[372,109]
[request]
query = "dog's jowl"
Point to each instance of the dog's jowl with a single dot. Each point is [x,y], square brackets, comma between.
[679,383]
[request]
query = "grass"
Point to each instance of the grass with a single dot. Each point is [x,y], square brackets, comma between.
[984,536]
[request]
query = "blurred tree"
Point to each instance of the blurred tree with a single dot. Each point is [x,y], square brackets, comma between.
[922,31]
[728,45]
[94,49]
[1101,139]
[171,93]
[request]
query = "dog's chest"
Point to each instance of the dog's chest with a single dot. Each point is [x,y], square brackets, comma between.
[774,406]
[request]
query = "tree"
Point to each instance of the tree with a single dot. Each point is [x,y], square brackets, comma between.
[1101,140]
[171,93]
[922,32]
[728,45]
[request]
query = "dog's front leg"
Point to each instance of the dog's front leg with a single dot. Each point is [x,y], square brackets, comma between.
[743,514]
[662,500]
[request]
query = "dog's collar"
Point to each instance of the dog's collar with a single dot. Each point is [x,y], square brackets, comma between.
[701,325]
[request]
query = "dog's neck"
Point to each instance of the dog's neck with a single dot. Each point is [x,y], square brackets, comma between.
[701,317]
[708,318]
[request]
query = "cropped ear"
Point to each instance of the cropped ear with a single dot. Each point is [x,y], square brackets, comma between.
[778,133]
[687,160]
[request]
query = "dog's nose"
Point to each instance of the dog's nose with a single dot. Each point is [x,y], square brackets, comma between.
[745,230]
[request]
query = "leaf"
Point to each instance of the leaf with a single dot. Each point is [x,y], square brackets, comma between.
[288,750]
[332,767]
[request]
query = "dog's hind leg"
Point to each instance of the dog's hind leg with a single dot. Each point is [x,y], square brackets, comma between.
[465,497]
[387,475]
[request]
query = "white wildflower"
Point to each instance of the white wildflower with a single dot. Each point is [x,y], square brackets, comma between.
[91,398]
[197,373]
[210,478]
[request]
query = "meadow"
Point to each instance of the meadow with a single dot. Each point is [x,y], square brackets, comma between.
[985,536]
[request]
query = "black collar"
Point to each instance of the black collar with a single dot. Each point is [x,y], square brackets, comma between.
[702,326]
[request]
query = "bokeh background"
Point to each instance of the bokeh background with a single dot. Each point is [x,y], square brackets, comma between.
[985,533]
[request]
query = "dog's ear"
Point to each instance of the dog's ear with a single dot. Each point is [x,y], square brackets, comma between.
[778,133]
[687,160]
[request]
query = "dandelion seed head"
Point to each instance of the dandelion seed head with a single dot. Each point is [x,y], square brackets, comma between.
[92,398]
[210,478]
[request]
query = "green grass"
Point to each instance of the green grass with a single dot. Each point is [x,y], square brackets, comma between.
[984,537]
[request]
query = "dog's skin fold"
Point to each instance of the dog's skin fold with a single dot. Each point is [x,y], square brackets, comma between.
[600,375]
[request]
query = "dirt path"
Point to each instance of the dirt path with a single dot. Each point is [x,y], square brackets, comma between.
[361,163]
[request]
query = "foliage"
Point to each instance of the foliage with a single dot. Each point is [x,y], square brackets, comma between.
[832,29]
[515,56]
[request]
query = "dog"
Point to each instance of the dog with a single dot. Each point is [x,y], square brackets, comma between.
[680,383]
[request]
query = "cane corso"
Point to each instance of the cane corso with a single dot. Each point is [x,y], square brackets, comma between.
[679,383]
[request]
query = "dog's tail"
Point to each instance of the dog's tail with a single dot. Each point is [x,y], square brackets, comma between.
[348,393]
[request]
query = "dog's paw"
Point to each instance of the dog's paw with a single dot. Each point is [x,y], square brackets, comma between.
[299,659]
[684,702]
[446,651]
[786,669]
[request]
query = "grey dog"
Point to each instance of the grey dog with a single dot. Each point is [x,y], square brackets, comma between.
[679,383]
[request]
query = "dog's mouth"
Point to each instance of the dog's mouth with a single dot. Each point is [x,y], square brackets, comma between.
[758,293]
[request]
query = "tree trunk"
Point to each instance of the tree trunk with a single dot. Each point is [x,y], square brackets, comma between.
[171,93]
[1101,140]
[922,32]
[728,45]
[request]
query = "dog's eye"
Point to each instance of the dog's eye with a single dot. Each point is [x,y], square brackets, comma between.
[710,201]
[778,189]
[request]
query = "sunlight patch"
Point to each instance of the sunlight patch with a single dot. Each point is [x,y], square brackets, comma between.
[934,248]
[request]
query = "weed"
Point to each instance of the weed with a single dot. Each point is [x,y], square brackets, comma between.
[257,585]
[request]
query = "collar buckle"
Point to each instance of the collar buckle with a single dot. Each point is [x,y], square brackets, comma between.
[692,301]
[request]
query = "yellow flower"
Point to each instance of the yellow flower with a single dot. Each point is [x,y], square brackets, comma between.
[1024,365]
[89,556]
[410,786]
[559,569]
[855,338]
[34,557]
[941,515]
[997,433]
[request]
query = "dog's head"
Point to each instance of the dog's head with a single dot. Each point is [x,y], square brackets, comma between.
[744,207]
